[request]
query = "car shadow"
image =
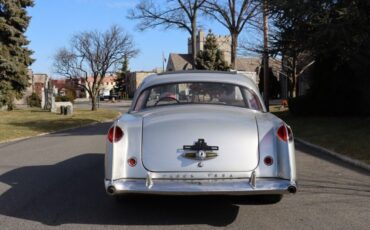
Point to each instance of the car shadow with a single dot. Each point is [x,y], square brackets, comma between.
[72,191]
[88,130]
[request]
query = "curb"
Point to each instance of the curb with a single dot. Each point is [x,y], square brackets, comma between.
[335,155]
[57,131]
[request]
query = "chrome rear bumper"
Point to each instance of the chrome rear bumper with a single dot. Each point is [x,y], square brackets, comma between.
[202,187]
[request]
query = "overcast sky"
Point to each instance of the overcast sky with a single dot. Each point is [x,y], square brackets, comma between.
[55,21]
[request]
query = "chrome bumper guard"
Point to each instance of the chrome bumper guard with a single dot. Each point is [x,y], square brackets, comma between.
[248,186]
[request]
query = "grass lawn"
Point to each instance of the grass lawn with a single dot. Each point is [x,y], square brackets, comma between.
[346,135]
[30,122]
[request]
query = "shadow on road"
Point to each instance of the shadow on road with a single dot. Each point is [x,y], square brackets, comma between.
[95,129]
[42,126]
[72,192]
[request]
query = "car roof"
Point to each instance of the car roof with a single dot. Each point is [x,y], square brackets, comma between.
[198,76]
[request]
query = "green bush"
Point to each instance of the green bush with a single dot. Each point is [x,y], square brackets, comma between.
[347,103]
[34,100]
[301,106]
[337,90]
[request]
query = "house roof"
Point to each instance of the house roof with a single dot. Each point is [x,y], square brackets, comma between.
[108,78]
[179,62]
[249,64]
[61,83]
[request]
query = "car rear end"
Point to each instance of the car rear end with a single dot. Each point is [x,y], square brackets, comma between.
[200,150]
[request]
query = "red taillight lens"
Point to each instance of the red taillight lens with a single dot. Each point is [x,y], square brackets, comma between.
[132,161]
[115,134]
[268,160]
[282,133]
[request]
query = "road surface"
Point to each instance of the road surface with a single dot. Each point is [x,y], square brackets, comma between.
[56,181]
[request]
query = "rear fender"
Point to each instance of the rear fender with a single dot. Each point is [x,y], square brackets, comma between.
[267,145]
[286,158]
[117,154]
[282,152]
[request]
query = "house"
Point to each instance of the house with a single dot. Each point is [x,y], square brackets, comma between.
[63,87]
[107,85]
[36,83]
[248,66]
[75,85]
[134,80]
[60,86]
[179,62]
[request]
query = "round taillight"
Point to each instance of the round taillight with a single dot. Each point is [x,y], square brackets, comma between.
[132,161]
[282,133]
[115,134]
[268,161]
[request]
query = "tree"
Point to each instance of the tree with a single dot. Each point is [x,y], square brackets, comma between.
[273,84]
[266,73]
[121,79]
[15,57]
[211,58]
[94,54]
[232,14]
[335,36]
[181,14]
[291,40]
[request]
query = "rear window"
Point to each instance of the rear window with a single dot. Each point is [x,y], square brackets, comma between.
[198,93]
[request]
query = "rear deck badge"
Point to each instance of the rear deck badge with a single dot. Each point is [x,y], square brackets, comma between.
[200,151]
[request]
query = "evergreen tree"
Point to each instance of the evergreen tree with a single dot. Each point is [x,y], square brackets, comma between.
[211,58]
[15,57]
[120,86]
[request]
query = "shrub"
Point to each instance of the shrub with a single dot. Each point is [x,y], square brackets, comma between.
[342,104]
[301,106]
[34,100]
[336,90]
[71,94]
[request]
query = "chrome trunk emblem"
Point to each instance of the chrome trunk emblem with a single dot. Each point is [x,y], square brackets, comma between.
[200,151]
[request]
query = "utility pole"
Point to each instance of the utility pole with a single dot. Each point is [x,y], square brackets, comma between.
[265,55]
[163,61]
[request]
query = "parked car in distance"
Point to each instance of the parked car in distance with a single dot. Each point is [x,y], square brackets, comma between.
[200,133]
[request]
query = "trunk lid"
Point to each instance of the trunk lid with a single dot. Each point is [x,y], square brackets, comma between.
[233,130]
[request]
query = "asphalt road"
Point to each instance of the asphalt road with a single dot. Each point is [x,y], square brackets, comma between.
[56,181]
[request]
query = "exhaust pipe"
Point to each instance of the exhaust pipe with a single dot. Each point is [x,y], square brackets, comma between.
[111,190]
[292,189]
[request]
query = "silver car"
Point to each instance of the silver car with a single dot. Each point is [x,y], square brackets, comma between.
[200,133]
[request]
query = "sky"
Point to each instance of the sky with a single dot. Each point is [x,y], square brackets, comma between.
[54,22]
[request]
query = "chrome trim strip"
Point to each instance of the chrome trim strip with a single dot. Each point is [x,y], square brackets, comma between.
[203,187]
[252,180]
[149,181]
[200,175]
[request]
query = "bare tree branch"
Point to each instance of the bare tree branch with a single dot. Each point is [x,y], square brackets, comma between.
[93,54]
[233,14]
[180,14]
